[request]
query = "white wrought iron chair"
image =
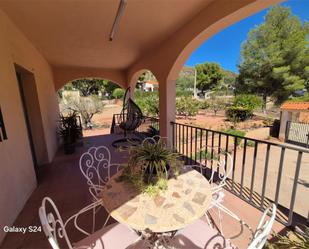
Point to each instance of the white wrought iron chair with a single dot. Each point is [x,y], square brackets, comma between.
[223,163]
[201,235]
[96,166]
[264,228]
[105,238]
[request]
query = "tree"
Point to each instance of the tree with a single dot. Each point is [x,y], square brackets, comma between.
[109,87]
[229,81]
[187,106]
[209,76]
[229,78]
[275,57]
[118,93]
[217,104]
[185,81]
[86,107]
[148,102]
[91,86]
[87,86]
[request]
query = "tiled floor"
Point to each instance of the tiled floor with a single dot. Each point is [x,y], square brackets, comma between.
[62,181]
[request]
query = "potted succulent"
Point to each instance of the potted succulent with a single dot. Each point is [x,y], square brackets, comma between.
[151,164]
[69,132]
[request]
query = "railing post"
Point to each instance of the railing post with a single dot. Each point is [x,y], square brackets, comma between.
[253,170]
[265,174]
[279,175]
[173,136]
[292,203]
[243,167]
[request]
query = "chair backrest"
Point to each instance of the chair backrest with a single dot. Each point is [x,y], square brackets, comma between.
[264,228]
[95,165]
[52,224]
[222,165]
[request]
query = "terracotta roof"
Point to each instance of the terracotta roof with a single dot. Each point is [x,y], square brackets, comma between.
[152,82]
[295,106]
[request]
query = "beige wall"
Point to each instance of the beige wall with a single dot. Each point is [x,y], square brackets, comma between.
[284,118]
[17,176]
[304,117]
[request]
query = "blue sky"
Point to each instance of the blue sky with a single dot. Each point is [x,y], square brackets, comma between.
[224,47]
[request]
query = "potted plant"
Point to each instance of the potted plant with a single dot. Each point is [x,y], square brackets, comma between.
[293,240]
[151,164]
[69,131]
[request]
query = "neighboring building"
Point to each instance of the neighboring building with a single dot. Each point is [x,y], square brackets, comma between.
[295,112]
[151,86]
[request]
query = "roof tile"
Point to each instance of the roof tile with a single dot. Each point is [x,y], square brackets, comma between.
[295,106]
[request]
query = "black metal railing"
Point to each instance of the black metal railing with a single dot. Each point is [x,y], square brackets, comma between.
[263,171]
[148,123]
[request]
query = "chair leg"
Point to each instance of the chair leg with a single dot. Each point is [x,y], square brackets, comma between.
[220,221]
[227,211]
[93,218]
[107,220]
[208,219]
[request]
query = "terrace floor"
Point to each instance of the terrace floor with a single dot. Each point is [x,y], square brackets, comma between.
[62,181]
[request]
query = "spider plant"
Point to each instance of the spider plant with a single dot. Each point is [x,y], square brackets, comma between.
[154,159]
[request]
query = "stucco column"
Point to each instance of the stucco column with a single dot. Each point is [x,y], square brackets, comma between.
[167,105]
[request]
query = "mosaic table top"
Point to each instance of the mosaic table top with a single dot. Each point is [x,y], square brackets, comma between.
[186,200]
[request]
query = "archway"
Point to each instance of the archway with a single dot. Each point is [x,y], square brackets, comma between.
[94,100]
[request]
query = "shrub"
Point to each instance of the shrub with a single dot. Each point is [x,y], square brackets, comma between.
[238,133]
[242,107]
[250,143]
[237,113]
[148,102]
[247,101]
[187,106]
[118,93]
[205,154]
[204,105]
[183,93]
[268,122]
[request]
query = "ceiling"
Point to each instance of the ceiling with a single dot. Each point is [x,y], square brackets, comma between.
[76,33]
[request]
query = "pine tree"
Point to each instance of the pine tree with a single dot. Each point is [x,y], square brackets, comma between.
[275,57]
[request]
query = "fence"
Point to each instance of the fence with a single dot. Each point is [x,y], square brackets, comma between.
[297,133]
[262,171]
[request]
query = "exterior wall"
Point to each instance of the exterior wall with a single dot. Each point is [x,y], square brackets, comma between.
[303,117]
[17,174]
[285,117]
